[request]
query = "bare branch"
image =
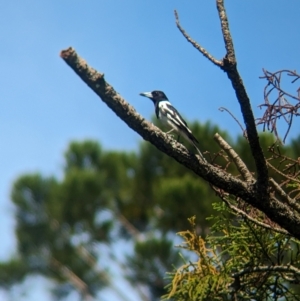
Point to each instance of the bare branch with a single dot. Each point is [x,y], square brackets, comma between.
[259,223]
[273,268]
[241,166]
[293,179]
[195,44]
[251,193]
[256,150]
[229,66]
[285,105]
[236,120]
[284,196]
[226,32]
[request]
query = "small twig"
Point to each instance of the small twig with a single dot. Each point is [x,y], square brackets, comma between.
[283,194]
[271,77]
[195,44]
[289,127]
[241,166]
[247,216]
[281,106]
[272,268]
[294,191]
[237,121]
[282,174]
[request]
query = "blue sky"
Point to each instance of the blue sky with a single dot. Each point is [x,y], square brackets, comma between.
[44,105]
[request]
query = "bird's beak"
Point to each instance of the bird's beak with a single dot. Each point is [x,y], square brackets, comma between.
[146,94]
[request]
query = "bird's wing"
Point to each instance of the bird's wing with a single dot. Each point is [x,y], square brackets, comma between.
[174,116]
[169,111]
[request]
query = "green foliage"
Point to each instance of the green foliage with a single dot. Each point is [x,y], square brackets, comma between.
[12,272]
[295,146]
[108,199]
[202,279]
[180,197]
[238,260]
[149,263]
[32,195]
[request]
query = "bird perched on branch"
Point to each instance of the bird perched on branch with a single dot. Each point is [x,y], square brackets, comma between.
[170,116]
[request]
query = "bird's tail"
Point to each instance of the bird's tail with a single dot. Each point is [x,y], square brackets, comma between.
[191,139]
[194,141]
[198,150]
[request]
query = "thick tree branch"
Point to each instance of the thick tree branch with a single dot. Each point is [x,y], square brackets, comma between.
[279,212]
[241,166]
[229,66]
[252,135]
[226,32]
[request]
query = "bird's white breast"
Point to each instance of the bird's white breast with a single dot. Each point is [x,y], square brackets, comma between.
[163,110]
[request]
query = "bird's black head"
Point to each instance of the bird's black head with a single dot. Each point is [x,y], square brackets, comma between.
[155,96]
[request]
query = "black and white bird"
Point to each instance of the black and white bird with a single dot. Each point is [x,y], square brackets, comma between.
[170,116]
